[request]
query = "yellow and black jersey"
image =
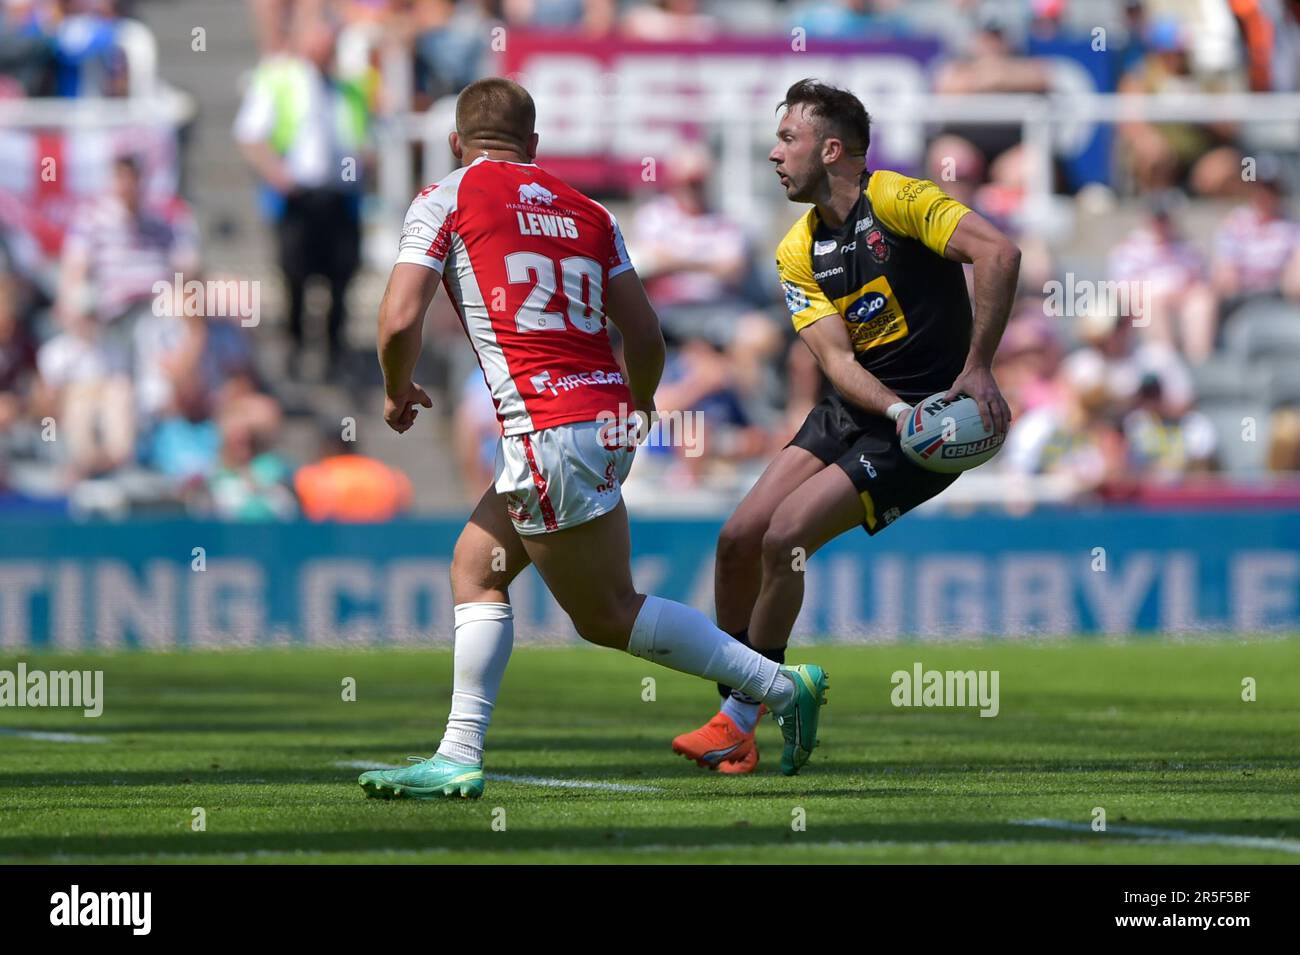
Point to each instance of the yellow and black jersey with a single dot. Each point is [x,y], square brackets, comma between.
[885,276]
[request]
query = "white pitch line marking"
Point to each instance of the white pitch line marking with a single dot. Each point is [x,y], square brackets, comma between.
[548,781]
[573,783]
[363,764]
[1171,835]
[53,737]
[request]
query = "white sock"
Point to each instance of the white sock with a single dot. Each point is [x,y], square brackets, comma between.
[485,633]
[744,715]
[681,638]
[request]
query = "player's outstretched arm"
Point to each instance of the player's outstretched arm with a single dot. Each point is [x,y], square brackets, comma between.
[643,341]
[829,342]
[401,324]
[997,270]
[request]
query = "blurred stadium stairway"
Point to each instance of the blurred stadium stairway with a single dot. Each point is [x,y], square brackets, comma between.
[236,242]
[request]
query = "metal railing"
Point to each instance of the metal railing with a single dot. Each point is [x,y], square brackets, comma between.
[744,138]
[149,101]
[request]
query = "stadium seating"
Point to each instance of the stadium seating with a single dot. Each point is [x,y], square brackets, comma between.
[1231,419]
[1264,328]
[1223,377]
[1283,382]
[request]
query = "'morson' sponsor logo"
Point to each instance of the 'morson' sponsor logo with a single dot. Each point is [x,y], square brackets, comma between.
[75,907]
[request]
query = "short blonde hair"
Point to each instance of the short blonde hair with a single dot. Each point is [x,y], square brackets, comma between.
[495,113]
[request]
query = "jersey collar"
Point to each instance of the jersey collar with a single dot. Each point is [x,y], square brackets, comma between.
[508,162]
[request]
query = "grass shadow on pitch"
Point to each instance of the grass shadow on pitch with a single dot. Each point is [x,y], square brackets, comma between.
[376,838]
[824,779]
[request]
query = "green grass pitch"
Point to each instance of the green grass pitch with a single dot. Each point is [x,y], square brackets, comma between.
[1156,734]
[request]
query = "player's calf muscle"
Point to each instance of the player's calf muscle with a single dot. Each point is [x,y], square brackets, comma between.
[603,615]
[602,605]
[738,571]
[611,626]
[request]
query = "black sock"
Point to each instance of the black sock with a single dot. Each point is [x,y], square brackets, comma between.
[777,656]
[724,691]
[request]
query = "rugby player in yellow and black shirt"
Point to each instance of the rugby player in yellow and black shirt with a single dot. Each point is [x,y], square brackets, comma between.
[873,279]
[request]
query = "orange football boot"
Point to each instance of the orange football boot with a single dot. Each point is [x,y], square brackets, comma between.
[720,744]
[718,739]
[746,764]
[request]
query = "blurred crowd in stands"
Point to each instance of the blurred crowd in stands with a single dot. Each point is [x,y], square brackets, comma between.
[130,396]
[62,48]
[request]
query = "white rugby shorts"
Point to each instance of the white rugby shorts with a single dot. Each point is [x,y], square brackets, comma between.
[562,476]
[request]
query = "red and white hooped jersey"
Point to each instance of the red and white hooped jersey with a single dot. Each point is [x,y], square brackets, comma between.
[526,259]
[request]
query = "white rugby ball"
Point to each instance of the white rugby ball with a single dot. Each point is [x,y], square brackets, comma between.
[948,436]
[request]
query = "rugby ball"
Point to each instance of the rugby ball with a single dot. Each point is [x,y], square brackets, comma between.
[948,436]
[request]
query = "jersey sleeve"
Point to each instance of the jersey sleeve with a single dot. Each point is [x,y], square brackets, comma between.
[916,208]
[803,296]
[427,231]
[619,261]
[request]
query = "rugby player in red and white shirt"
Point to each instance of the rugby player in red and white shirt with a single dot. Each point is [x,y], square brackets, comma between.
[534,269]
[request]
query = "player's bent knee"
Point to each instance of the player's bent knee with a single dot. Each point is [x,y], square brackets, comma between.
[472,574]
[782,544]
[740,540]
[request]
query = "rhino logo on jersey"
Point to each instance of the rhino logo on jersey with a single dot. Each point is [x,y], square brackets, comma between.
[535,195]
[878,246]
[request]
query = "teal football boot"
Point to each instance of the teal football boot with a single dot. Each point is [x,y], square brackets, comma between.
[799,720]
[428,779]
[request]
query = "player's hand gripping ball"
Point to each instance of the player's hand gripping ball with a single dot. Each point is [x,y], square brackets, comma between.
[948,436]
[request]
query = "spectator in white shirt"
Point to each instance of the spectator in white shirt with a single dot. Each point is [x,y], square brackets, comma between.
[1168,277]
[1257,248]
[695,261]
[85,376]
[118,248]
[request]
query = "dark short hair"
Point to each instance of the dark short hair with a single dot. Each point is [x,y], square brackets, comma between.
[841,113]
[129,161]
